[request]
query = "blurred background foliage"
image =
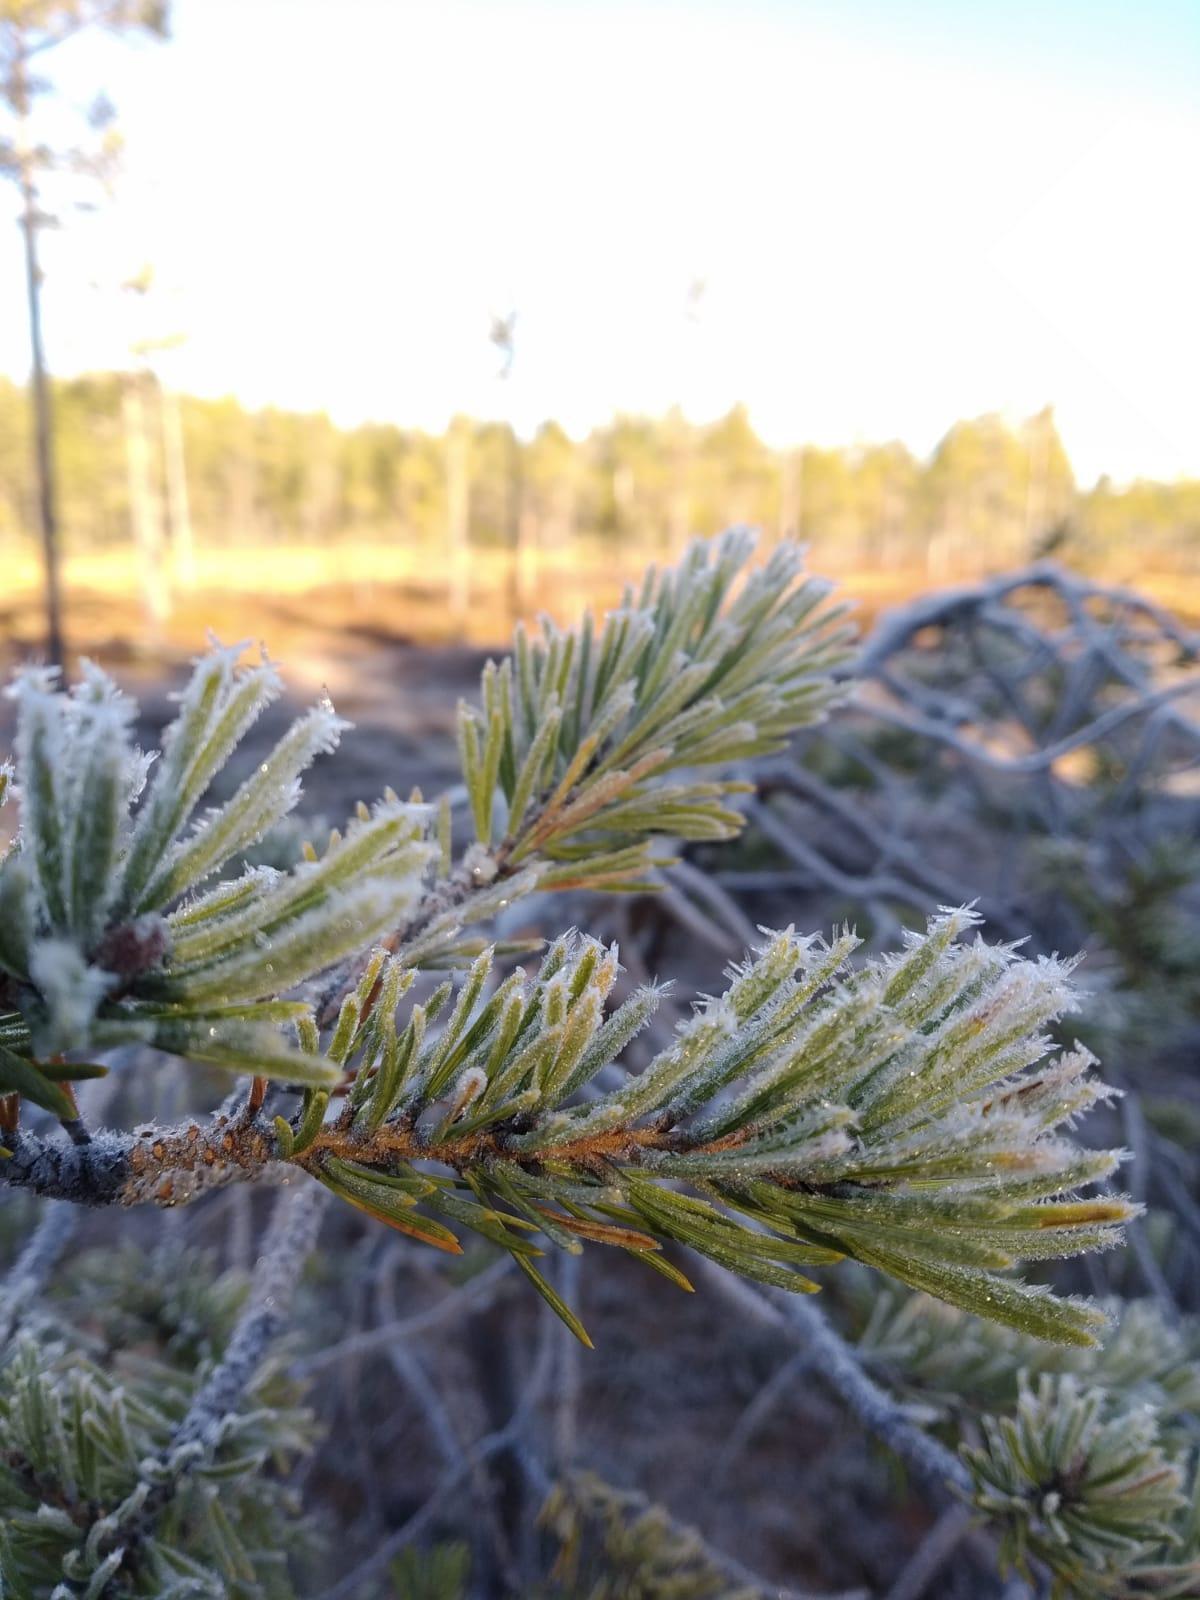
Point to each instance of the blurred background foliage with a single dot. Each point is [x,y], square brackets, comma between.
[374,515]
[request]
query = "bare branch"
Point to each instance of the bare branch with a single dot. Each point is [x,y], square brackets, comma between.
[35,1264]
[836,1364]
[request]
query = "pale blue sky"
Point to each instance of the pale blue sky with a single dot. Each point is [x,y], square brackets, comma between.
[903,213]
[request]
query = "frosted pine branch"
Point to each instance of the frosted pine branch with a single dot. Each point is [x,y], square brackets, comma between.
[905,1112]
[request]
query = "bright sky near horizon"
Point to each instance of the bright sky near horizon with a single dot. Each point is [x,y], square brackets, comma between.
[902,214]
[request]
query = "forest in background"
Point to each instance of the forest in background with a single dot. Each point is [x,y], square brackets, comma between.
[141,467]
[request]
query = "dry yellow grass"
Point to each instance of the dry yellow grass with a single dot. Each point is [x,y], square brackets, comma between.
[290,594]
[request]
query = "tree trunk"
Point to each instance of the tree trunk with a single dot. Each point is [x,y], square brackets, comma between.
[43,422]
[521,561]
[458,528]
[791,469]
[179,511]
[145,505]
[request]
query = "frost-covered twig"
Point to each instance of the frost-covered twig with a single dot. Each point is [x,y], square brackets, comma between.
[725,909]
[456,1305]
[286,1246]
[759,1410]
[505,1438]
[931,1555]
[899,868]
[93,1174]
[32,1268]
[289,1240]
[1091,848]
[163,1166]
[1089,655]
[355,1581]
[444,1429]
[1043,759]
[802,1100]
[897,628]
[835,1363]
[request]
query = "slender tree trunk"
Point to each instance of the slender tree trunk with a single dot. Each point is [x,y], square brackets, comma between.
[528,562]
[789,494]
[43,423]
[520,560]
[679,506]
[458,523]
[179,511]
[145,510]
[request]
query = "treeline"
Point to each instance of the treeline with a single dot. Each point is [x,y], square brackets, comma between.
[990,494]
